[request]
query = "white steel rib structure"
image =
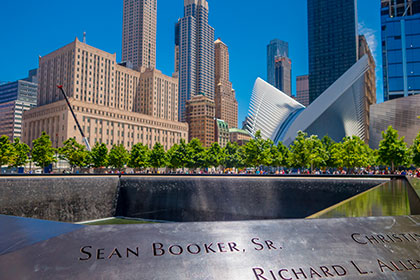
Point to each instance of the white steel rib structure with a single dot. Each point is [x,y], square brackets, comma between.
[269,107]
[338,112]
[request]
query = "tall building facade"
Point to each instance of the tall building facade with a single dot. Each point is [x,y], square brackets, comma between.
[370,83]
[200,117]
[114,104]
[332,39]
[283,74]
[194,46]
[16,98]
[139,33]
[225,100]
[275,49]
[400,47]
[302,90]
[157,95]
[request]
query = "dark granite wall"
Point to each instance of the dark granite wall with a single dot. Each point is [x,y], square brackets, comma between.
[65,199]
[179,198]
[236,198]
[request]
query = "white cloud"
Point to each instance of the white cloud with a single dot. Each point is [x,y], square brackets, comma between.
[370,38]
[373,42]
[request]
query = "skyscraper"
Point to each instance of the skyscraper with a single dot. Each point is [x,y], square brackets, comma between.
[225,100]
[16,98]
[332,38]
[283,74]
[139,33]
[194,44]
[302,90]
[400,47]
[275,49]
[370,83]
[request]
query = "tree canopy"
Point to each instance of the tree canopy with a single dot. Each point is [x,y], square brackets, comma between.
[258,151]
[118,157]
[7,151]
[139,156]
[233,156]
[75,153]
[415,149]
[21,153]
[157,156]
[196,154]
[99,155]
[393,151]
[352,152]
[214,155]
[42,151]
[307,151]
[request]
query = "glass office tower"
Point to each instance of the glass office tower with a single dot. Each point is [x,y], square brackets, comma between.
[400,47]
[16,98]
[194,53]
[276,48]
[283,75]
[333,43]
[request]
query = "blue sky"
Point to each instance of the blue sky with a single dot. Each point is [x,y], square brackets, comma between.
[30,28]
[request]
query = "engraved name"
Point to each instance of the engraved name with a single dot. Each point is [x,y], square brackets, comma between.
[376,239]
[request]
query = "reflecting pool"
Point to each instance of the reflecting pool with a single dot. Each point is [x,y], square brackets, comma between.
[393,198]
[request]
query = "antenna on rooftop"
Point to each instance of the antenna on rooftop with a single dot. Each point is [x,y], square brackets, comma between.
[84,37]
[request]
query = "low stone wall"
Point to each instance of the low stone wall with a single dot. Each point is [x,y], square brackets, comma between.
[65,199]
[186,199]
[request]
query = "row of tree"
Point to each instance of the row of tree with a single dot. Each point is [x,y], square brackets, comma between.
[305,152]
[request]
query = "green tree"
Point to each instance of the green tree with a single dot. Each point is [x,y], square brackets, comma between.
[214,155]
[329,146]
[352,152]
[280,155]
[232,156]
[174,158]
[317,154]
[307,152]
[7,151]
[43,154]
[393,150]
[157,156]
[75,153]
[258,151]
[99,155]
[415,149]
[21,153]
[179,155]
[118,157]
[196,154]
[139,156]
[299,155]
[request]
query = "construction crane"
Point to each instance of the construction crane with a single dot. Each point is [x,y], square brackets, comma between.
[75,119]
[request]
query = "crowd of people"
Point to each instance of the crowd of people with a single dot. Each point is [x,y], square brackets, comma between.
[250,171]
